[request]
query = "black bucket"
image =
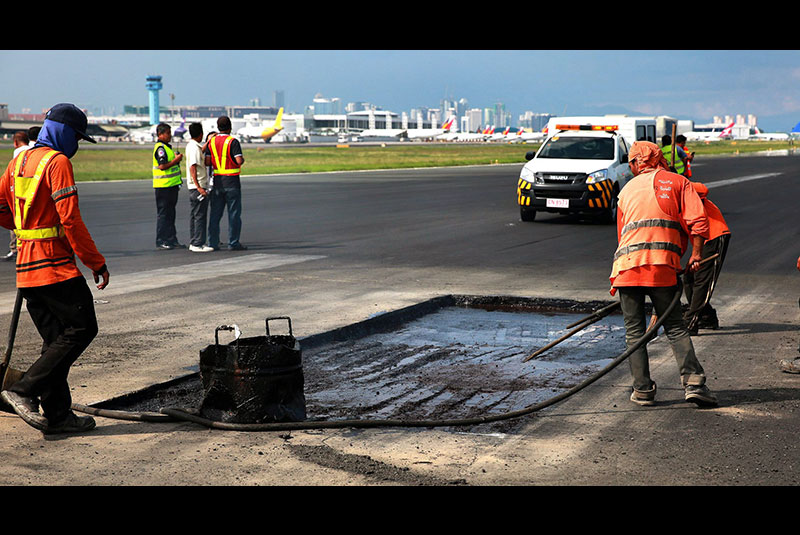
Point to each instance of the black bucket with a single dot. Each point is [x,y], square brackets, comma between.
[253,380]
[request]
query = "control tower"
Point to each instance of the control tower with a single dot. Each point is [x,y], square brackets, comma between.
[153,85]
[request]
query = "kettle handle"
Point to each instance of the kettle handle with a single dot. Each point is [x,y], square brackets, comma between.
[287,318]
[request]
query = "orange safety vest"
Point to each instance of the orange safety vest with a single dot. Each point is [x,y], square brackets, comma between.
[46,247]
[224,164]
[716,223]
[649,236]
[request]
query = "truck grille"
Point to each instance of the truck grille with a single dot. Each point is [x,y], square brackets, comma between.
[562,178]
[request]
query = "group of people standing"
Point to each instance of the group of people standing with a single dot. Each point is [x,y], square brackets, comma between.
[213,168]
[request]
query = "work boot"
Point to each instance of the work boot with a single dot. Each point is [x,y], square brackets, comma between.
[644,397]
[700,395]
[26,408]
[790,366]
[708,321]
[71,424]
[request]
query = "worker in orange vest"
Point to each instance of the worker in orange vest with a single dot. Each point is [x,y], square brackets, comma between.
[680,141]
[39,200]
[699,285]
[224,155]
[658,213]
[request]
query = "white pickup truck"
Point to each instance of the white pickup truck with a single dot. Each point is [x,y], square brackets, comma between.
[581,166]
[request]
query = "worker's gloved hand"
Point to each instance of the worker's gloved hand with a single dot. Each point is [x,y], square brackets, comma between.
[104,274]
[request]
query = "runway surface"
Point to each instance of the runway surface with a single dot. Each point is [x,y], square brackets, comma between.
[332,249]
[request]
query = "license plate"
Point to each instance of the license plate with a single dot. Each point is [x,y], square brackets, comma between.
[558,203]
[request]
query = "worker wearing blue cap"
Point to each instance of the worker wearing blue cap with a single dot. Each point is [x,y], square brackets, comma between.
[39,200]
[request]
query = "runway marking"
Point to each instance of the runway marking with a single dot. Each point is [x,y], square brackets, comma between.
[184,273]
[730,181]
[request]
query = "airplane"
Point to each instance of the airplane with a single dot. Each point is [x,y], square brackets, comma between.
[769,136]
[265,133]
[499,136]
[431,133]
[523,136]
[146,134]
[179,133]
[480,135]
[710,136]
[382,134]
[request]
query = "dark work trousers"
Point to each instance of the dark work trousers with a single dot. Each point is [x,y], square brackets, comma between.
[700,284]
[632,304]
[166,200]
[198,218]
[64,316]
[227,194]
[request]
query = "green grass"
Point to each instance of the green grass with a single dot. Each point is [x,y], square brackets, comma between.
[135,163]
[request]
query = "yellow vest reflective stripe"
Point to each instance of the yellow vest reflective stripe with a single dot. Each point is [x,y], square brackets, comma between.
[221,160]
[678,163]
[165,178]
[25,189]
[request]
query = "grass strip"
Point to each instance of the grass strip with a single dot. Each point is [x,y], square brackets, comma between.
[108,163]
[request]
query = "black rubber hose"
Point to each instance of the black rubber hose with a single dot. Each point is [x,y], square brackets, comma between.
[182,414]
[171,414]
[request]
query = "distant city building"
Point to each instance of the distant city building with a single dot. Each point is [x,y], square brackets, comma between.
[279,98]
[326,106]
[534,121]
[472,120]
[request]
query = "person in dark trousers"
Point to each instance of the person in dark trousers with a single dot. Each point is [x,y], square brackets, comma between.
[39,200]
[699,286]
[658,214]
[167,184]
[199,190]
[224,154]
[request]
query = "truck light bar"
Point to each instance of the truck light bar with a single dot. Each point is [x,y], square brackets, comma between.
[606,128]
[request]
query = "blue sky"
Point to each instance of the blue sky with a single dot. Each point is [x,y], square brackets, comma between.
[683,83]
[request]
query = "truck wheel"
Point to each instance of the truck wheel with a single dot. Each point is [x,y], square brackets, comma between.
[527,214]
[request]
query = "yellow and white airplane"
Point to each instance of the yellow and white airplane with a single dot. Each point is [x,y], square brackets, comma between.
[264,133]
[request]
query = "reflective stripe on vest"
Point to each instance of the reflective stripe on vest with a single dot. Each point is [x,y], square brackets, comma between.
[651,236]
[220,161]
[165,178]
[678,163]
[25,189]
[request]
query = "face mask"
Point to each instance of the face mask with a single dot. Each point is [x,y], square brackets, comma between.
[58,136]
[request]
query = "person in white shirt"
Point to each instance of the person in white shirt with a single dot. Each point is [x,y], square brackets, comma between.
[197,182]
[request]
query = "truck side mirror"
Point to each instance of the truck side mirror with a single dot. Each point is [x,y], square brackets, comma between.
[529,155]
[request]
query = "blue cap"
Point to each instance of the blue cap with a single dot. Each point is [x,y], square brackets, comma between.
[72,116]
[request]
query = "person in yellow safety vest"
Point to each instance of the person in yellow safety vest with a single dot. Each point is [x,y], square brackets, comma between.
[166,183]
[679,164]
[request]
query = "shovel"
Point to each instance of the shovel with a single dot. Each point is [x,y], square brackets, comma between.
[9,376]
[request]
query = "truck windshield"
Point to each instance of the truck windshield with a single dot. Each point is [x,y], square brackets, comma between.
[578,148]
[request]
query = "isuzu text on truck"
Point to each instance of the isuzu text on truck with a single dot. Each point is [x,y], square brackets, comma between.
[581,166]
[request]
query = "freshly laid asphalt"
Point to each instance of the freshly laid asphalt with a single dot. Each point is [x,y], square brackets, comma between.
[330,250]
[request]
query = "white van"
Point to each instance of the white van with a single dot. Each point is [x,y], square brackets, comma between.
[581,166]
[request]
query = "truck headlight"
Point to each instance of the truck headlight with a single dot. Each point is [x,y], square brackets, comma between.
[597,176]
[526,174]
